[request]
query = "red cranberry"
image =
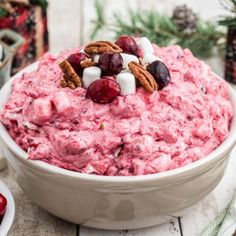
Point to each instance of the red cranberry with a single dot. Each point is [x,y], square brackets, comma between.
[75,59]
[160,73]
[3,206]
[104,90]
[128,45]
[111,63]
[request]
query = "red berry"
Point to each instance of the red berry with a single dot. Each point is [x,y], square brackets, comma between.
[75,59]
[104,90]
[128,45]
[3,205]
[111,63]
[160,72]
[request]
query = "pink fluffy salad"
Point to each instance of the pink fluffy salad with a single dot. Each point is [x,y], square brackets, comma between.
[137,134]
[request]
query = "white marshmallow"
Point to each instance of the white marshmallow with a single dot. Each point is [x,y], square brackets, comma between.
[1,52]
[127,83]
[149,58]
[127,58]
[90,74]
[96,58]
[2,160]
[146,46]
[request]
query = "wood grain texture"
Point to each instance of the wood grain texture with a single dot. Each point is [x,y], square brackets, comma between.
[31,219]
[198,216]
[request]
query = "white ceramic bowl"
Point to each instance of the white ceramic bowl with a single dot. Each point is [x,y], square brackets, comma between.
[8,218]
[115,202]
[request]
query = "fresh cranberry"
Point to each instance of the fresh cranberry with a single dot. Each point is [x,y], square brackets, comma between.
[75,59]
[128,45]
[104,90]
[111,63]
[3,206]
[160,73]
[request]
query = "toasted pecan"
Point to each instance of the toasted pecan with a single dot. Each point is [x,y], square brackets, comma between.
[99,47]
[143,76]
[64,83]
[87,63]
[70,79]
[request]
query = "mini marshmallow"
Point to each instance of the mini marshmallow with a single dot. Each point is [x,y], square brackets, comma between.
[96,58]
[90,74]
[42,110]
[146,46]
[127,83]
[149,58]
[127,58]
[62,102]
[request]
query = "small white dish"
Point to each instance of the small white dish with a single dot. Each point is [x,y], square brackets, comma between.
[8,218]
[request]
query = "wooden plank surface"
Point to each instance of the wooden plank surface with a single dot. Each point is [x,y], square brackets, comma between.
[198,216]
[30,219]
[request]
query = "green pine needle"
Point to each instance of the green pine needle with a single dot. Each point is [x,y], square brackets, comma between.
[162,30]
[100,21]
[229,21]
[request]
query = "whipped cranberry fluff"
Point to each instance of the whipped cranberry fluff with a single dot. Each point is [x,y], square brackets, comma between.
[130,108]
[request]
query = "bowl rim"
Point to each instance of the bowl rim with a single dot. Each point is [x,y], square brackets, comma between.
[204,162]
[9,216]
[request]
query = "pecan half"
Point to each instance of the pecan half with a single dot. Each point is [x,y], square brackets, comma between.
[70,79]
[99,47]
[87,63]
[143,76]
[66,82]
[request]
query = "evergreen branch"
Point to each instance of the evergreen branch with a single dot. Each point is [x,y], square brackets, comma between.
[100,21]
[227,4]
[162,30]
[228,21]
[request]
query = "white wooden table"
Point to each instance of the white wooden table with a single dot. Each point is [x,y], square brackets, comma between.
[32,220]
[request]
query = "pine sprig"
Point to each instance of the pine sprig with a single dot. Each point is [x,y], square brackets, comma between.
[205,40]
[162,30]
[100,22]
[229,21]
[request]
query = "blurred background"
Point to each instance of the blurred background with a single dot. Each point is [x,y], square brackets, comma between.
[57,25]
[70,21]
